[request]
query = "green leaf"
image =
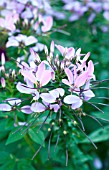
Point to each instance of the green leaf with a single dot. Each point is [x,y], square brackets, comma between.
[98,135]
[9,165]
[13,137]
[36,137]
[23,165]
[5,156]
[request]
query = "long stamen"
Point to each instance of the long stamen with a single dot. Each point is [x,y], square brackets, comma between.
[43,122]
[95,120]
[80,122]
[49,144]
[94,106]
[56,142]
[83,132]
[66,157]
[37,152]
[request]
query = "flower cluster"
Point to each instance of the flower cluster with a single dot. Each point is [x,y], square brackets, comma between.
[17,16]
[54,83]
[79,8]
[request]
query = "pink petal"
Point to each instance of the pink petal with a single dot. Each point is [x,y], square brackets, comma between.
[69,75]
[40,70]
[52,47]
[80,80]
[61,49]
[71,99]
[56,107]
[26,109]
[70,53]
[90,68]
[38,107]
[61,91]
[54,93]
[48,23]
[76,105]
[65,81]
[86,57]
[5,107]
[13,101]
[3,82]
[29,75]
[22,89]
[30,40]
[45,78]
[88,94]
[47,97]
[12,42]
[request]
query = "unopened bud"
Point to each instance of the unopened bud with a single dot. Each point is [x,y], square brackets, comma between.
[3,59]
[62,65]
[26,21]
[46,50]
[52,47]
[2,68]
[3,83]
[13,73]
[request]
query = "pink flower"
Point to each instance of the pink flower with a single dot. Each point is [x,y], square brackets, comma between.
[76,81]
[7,23]
[16,40]
[68,53]
[42,75]
[47,23]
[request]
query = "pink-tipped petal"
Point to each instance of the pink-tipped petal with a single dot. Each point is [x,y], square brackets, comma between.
[69,75]
[61,49]
[52,47]
[47,24]
[41,69]
[81,79]
[29,75]
[90,68]
[65,81]
[45,78]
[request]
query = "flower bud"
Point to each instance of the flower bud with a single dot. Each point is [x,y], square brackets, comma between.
[3,83]
[3,59]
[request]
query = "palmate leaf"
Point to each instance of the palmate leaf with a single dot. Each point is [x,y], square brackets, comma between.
[98,136]
[13,137]
[37,137]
